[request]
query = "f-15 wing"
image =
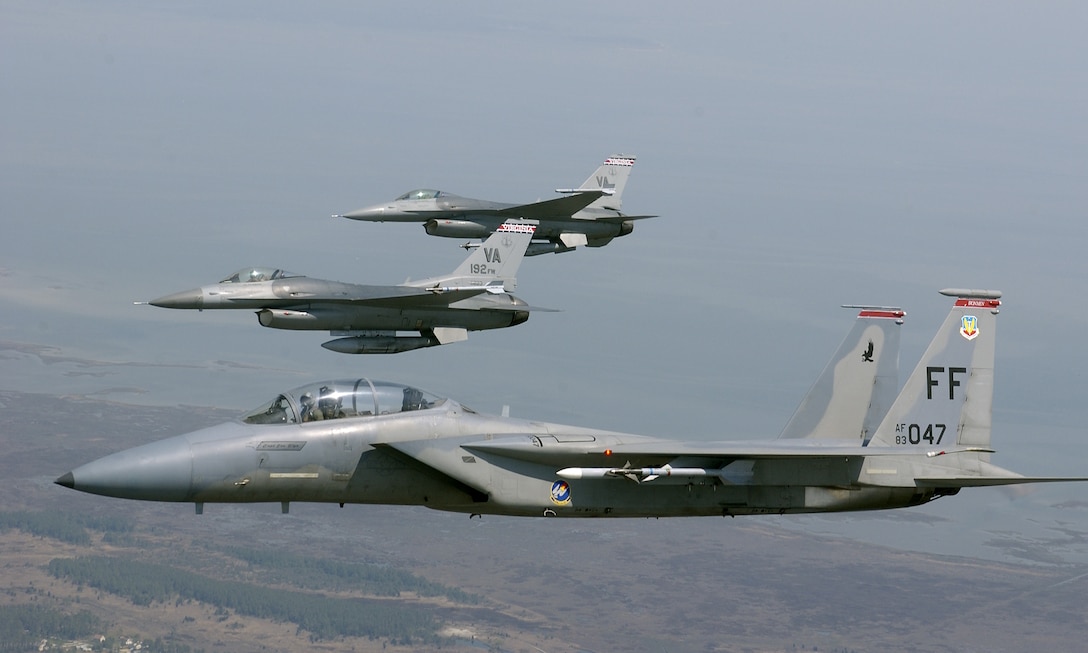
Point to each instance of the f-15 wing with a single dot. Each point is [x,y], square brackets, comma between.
[587,456]
[546,449]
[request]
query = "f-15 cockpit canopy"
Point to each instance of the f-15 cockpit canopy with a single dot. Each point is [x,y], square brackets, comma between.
[250,275]
[341,399]
[420,194]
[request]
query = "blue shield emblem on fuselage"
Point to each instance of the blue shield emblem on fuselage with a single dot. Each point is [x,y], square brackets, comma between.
[561,493]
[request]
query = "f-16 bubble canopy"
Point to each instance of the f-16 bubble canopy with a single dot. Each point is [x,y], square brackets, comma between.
[348,398]
[250,275]
[420,194]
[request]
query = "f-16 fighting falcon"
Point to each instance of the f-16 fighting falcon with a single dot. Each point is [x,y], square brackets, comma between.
[363,441]
[374,319]
[588,215]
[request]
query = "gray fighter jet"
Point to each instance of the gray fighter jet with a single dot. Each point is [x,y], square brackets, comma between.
[374,319]
[588,215]
[363,441]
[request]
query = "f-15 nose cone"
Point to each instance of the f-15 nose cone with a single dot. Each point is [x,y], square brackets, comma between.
[186,299]
[160,471]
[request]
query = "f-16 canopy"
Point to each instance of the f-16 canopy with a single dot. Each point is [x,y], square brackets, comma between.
[420,194]
[250,275]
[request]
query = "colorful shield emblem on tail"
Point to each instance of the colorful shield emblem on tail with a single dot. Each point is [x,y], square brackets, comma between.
[969,327]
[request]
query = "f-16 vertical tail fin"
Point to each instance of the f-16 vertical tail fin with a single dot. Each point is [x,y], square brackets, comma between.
[493,265]
[858,385]
[947,401]
[610,177]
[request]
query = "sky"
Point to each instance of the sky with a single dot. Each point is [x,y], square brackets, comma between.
[800,156]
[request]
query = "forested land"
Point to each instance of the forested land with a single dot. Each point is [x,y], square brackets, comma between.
[65,527]
[22,627]
[309,572]
[321,616]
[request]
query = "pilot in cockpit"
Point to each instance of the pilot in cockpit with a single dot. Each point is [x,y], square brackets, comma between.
[328,404]
[310,411]
[413,400]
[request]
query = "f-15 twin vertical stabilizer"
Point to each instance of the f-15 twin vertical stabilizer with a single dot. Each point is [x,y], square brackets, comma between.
[859,384]
[947,400]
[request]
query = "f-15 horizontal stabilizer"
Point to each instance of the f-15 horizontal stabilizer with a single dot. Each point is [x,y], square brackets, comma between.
[991,481]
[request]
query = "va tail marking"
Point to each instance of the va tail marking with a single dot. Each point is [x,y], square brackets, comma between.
[493,265]
[610,178]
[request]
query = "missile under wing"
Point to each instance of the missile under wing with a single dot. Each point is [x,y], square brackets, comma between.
[367,441]
[381,319]
[589,215]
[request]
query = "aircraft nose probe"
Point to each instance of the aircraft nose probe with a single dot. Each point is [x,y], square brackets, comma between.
[185,299]
[369,212]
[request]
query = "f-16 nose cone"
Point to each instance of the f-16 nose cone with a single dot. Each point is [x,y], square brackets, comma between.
[186,299]
[368,213]
[67,481]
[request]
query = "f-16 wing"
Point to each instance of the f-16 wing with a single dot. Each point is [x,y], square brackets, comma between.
[403,296]
[561,207]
